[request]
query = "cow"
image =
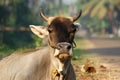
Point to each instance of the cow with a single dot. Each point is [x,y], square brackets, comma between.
[47,63]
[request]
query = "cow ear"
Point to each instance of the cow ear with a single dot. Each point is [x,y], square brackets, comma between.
[39,31]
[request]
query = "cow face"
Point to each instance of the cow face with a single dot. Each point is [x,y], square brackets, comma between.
[61,30]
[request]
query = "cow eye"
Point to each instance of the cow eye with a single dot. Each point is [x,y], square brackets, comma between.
[50,29]
[73,30]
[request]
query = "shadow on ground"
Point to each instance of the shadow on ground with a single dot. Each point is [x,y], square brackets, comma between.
[115,51]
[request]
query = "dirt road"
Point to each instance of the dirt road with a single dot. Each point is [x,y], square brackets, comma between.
[107,57]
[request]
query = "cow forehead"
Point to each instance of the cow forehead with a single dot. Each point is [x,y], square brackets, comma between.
[61,21]
[61,24]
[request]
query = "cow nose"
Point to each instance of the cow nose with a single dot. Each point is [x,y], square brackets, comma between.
[65,45]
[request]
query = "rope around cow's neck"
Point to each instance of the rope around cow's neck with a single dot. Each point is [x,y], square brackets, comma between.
[59,75]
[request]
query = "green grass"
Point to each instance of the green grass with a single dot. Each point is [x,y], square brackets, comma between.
[80,55]
[4,50]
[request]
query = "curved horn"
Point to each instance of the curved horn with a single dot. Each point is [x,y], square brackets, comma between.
[77,16]
[43,16]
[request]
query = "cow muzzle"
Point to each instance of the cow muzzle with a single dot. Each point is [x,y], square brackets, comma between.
[64,52]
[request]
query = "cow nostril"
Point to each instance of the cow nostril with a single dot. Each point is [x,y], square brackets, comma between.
[69,47]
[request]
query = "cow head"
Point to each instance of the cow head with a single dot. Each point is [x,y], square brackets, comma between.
[61,32]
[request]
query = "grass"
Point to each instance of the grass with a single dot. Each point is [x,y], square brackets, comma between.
[4,51]
[80,52]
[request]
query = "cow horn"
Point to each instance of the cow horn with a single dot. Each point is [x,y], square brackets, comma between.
[43,16]
[77,16]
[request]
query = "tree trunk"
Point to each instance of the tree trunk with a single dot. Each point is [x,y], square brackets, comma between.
[1,37]
[60,6]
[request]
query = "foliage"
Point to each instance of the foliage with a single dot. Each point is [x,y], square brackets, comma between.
[100,13]
[4,14]
[16,14]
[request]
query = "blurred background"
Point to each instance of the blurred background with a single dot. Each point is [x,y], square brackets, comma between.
[99,18]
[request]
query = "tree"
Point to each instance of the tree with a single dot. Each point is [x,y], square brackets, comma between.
[104,10]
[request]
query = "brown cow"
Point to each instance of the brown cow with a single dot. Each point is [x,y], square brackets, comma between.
[48,63]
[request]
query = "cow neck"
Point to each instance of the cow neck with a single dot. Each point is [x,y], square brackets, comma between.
[55,65]
[54,60]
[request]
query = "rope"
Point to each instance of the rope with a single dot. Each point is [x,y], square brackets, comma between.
[56,74]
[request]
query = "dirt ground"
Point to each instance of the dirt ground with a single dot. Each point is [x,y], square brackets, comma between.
[104,55]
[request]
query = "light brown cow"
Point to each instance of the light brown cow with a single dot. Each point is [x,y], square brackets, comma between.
[48,63]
